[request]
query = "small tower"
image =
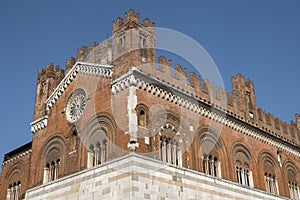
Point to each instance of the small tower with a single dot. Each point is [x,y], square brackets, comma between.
[47,81]
[244,96]
[134,43]
[298,121]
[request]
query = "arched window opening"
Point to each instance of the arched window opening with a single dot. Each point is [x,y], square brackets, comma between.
[243,174]
[13,191]
[294,191]
[122,42]
[142,42]
[51,171]
[211,165]
[142,118]
[292,184]
[170,150]
[271,183]
[74,140]
[142,115]
[97,153]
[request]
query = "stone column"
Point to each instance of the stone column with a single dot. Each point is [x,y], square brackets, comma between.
[16,192]
[90,159]
[219,175]
[250,179]
[174,154]
[243,177]
[169,154]
[164,150]
[8,195]
[103,153]
[56,171]
[46,175]
[96,156]
[179,157]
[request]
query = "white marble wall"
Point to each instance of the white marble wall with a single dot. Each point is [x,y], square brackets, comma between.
[136,177]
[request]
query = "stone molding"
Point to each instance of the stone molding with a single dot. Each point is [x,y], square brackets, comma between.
[150,85]
[80,67]
[39,124]
[17,157]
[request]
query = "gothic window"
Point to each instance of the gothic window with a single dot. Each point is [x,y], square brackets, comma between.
[142,42]
[142,115]
[243,174]
[271,183]
[97,153]
[294,191]
[122,42]
[169,150]
[292,183]
[211,165]
[51,171]
[248,98]
[13,191]
[73,140]
[142,118]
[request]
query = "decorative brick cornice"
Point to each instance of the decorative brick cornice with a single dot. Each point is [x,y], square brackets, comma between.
[39,124]
[17,157]
[80,67]
[220,115]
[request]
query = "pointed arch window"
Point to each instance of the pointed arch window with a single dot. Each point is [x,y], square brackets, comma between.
[74,140]
[97,153]
[294,191]
[271,183]
[243,174]
[142,42]
[211,165]
[51,171]
[13,191]
[142,115]
[169,145]
[292,184]
[122,42]
[170,151]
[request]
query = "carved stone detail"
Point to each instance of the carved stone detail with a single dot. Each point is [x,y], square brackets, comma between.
[104,71]
[138,79]
[39,124]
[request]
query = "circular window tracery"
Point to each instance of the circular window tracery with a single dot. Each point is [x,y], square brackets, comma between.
[76,105]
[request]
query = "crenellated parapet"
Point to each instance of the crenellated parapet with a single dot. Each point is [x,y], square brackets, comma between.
[48,79]
[240,103]
[176,95]
[134,43]
[191,83]
[96,53]
[277,127]
[69,64]
[131,19]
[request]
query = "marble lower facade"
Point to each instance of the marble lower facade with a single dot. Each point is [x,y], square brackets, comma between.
[137,177]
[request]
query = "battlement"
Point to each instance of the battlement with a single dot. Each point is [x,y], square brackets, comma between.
[191,83]
[240,103]
[48,79]
[269,123]
[51,71]
[132,17]
[96,53]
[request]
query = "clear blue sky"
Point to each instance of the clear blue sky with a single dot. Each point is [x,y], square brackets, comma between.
[259,39]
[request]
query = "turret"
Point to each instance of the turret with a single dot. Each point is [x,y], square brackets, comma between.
[243,96]
[47,81]
[134,43]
